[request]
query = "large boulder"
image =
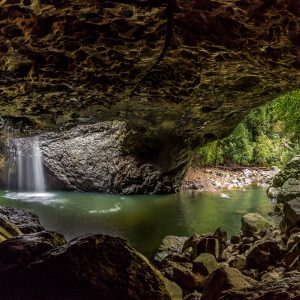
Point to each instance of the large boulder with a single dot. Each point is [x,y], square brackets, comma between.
[178,73]
[291,216]
[19,251]
[254,222]
[90,267]
[263,253]
[26,221]
[223,279]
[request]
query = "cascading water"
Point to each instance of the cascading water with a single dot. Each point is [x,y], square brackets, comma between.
[24,165]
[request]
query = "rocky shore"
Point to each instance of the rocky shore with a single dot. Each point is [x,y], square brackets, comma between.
[209,179]
[261,262]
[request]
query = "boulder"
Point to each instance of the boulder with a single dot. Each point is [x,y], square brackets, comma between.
[26,221]
[205,263]
[291,218]
[170,245]
[214,244]
[263,253]
[239,262]
[286,184]
[293,240]
[89,267]
[209,245]
[182,274]
[289,190]
[223,279]
[252,223]
[291,170]
[18,252]
[287,288]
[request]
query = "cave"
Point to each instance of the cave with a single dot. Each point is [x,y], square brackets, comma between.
[112,100]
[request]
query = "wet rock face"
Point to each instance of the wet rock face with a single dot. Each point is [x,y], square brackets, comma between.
[182,68]
[99,158]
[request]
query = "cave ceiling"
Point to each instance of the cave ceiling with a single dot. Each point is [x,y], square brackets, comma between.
[180,67]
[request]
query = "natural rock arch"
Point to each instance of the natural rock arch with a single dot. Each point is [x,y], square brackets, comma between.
[179,73]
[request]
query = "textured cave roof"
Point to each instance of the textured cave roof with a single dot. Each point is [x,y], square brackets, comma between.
[185,67]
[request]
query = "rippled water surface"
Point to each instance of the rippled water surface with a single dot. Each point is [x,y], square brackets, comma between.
[142,219]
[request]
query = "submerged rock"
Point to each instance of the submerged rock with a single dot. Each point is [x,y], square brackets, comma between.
[90,267]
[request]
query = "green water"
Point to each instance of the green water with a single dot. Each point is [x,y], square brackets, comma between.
[142,219]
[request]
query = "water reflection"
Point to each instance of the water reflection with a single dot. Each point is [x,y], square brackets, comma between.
[142,219]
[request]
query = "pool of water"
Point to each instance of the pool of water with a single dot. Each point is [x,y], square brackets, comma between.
[142,219]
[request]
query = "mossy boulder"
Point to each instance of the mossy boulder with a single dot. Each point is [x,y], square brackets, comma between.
[254,222]
[223,279]
[205,263]
[8,230]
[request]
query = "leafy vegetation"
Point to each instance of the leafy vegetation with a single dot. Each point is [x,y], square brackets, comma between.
[269,135]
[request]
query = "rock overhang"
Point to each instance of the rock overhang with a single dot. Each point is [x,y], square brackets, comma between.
[181,68]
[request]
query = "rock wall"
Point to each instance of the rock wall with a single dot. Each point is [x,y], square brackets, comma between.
[286,184]
[286,189]
[98,158]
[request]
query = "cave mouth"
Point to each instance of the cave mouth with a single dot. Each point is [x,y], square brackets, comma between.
[109,102]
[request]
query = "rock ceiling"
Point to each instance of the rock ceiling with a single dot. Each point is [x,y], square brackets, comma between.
[187,68]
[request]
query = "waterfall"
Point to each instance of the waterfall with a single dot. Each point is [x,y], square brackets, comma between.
[25,168]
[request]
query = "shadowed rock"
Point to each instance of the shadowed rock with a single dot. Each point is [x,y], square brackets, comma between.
[26,221]
[90,267]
